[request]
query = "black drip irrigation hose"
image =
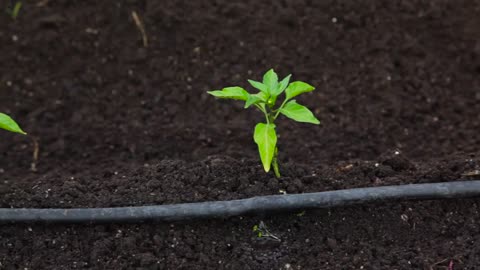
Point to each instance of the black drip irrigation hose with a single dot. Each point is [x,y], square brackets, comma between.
[263,204]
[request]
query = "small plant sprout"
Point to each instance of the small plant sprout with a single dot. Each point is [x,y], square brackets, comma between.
[262,231]
[7,123]
[15,10]
[265,101]
[301,214]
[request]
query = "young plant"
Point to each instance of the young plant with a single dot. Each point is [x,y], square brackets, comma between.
[7,123]
[15,10]
[262,231]
[265,101]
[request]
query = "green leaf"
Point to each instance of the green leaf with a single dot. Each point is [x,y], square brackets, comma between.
[282,85]
[270,79]
[234,92]
[299,113]
[266,139]
[252,99]
[16,10]
[262,96]
[255,99]
[258,85]
[7,123]
[297,88]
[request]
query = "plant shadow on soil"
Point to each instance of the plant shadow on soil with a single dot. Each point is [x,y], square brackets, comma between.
[120,124]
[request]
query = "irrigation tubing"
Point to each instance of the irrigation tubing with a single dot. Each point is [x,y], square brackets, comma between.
[254,205]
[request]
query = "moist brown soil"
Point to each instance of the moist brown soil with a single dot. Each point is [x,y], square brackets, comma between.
[120,124]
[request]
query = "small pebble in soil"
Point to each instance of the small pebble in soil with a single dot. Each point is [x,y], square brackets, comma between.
[91,31]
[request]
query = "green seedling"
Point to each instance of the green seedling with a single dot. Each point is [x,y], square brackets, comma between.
[262,231]
[301,214]
[15,10]
[265,101]
[7,123]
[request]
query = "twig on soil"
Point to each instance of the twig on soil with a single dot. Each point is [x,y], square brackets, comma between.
[33,165]
[437,263]
[140,27]
[471,173]
[450,264]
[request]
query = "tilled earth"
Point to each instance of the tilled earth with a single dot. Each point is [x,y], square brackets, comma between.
[122,124]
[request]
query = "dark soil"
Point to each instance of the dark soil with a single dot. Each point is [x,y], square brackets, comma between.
[398,94]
